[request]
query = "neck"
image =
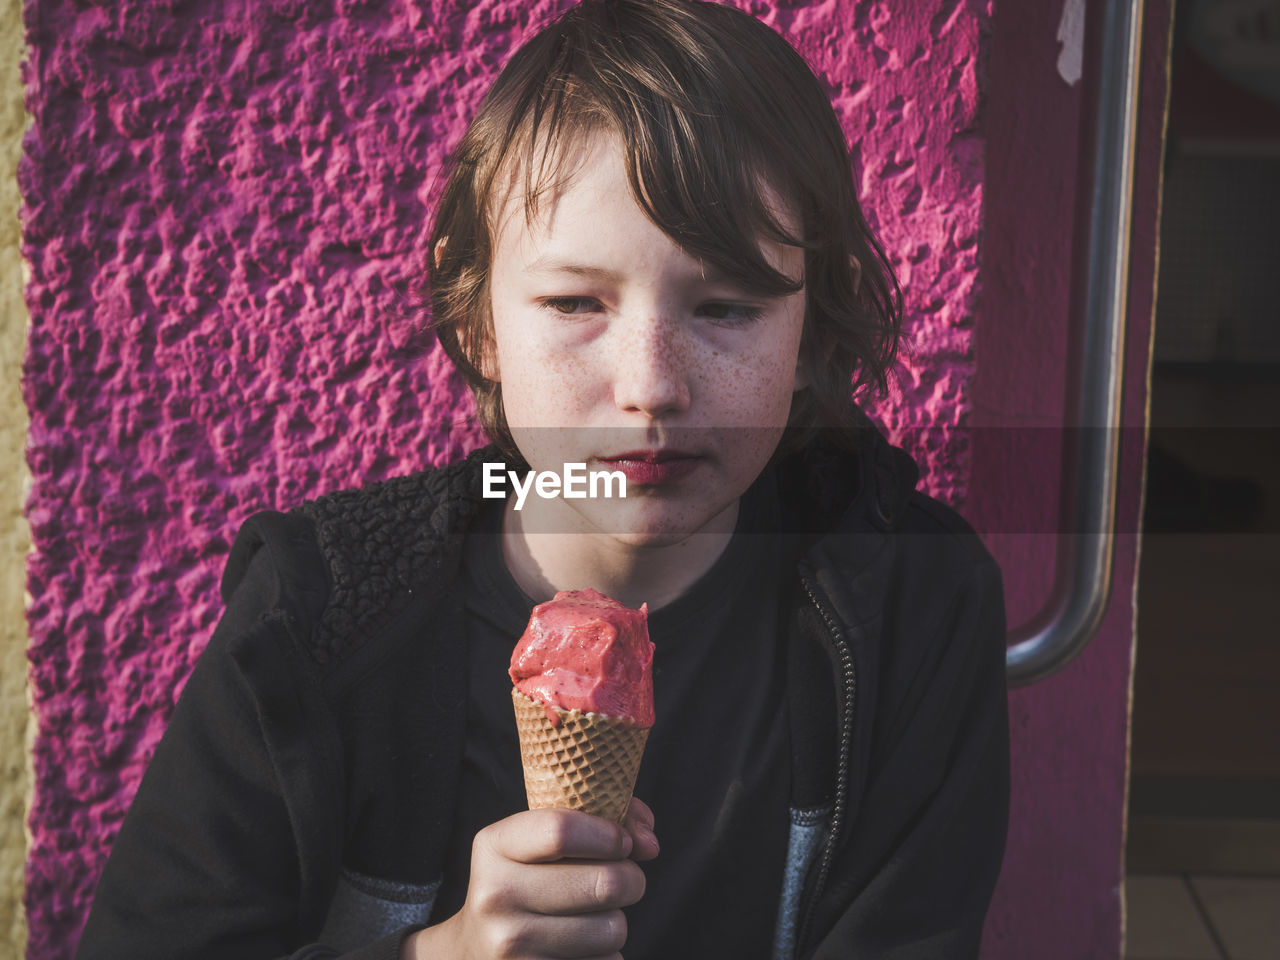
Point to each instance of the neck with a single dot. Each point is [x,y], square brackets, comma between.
[544,563]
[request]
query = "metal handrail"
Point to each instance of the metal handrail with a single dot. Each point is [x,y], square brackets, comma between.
[1074,611]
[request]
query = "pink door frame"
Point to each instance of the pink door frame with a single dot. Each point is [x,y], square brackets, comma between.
[1060,893]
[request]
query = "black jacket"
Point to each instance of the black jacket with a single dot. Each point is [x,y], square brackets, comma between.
[300,802]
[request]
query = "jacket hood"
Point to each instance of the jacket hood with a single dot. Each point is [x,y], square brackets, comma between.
[830,484]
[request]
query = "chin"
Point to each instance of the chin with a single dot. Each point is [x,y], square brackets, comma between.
[650,524]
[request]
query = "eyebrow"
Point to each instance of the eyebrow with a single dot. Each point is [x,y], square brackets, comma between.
[546,264]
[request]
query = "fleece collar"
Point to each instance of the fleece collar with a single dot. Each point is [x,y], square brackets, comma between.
[836,486]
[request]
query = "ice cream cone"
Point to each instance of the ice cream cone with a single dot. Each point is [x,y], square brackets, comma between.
[585,762]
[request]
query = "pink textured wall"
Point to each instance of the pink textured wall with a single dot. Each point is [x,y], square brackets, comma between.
[223,205]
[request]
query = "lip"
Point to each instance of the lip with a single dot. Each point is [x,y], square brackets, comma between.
[653,467]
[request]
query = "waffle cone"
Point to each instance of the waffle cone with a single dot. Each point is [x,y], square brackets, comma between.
[587,762]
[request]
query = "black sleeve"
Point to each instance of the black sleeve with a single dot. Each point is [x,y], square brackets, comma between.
[210,861]
[915,879]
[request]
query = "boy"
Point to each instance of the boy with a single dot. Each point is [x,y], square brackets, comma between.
[648,258]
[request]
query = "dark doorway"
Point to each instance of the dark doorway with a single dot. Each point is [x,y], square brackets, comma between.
[1204,812]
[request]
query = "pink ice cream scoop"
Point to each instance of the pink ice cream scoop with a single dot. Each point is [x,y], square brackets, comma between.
[585,651]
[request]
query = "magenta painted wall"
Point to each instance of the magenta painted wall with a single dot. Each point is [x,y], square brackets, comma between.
[224,205]
[1059,896]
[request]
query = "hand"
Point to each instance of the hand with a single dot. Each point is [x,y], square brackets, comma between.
[545,884]
[639,824]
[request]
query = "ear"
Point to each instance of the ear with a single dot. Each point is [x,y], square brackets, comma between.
[489,362]
[488,365]
[802,380]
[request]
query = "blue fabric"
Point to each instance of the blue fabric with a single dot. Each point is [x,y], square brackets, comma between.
[808,831]
[367,908]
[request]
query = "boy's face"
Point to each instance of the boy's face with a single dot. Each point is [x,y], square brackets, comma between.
[616,350]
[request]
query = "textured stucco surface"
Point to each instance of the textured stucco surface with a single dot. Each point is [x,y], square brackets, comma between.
[223,205]
[14,538]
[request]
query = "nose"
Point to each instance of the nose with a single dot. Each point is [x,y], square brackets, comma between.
[651,368]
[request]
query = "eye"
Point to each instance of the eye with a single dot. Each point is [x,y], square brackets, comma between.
[570,306]
[732,314]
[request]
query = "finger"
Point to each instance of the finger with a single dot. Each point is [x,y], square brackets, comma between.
[639,823]
[572,938]
[574,887]
[639,811]
[543,836]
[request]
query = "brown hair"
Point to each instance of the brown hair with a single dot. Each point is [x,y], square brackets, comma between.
[707,101]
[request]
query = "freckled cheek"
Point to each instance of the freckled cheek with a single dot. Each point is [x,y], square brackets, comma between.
[752,392]
[542,387]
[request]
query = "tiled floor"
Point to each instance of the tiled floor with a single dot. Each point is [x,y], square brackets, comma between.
[1184,917]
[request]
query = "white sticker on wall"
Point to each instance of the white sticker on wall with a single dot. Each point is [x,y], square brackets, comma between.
[1071,36]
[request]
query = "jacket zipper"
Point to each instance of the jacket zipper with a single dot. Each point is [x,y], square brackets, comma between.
[849,679]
